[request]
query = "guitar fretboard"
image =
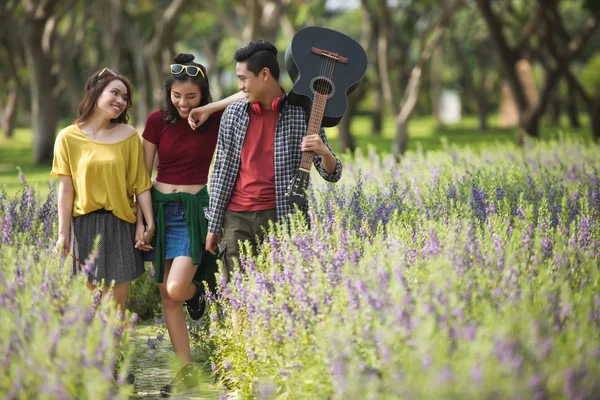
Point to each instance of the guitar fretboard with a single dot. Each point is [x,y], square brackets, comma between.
[314,126]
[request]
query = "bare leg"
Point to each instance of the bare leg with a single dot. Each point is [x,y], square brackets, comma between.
[120,294]
[177,287]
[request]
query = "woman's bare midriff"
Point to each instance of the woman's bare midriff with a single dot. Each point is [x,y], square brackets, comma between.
[169,188]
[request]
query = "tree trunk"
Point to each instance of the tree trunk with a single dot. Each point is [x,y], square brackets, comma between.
[369,33]
[592,104]
[155,70]
[555,108]
[43,103]
[530,120]
[382,56]
[377,113]
[429,39]
[531,125]
[157,53]
[485,85]
[345,135]
[252,13]
[483,109]
[572,109]
[140,73]
[9,112]
[263,19]
[508,56]
[595,119]
[211,52]
[378,105]
[113,23]
[270,20]
[409,102]
[436,68]
[564,50]
[401,141]
[68,51]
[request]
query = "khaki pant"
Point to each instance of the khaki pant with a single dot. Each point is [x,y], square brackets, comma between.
[241,226]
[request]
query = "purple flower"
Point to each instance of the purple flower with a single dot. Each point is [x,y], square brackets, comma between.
[151,344]
[477,374]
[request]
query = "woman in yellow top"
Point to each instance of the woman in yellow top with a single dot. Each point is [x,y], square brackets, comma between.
[100,164]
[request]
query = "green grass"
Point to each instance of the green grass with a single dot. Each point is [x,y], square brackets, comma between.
[424,134]
[17,152]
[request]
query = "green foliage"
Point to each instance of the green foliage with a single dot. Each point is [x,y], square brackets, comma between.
[144,296]
[455,274]
[57,339]
[590,77]
[228,47]
[593,6]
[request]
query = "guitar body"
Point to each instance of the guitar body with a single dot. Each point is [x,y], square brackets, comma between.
[309,70]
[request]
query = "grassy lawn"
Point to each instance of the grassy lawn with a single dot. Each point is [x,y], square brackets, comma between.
[424,134]
[17,152]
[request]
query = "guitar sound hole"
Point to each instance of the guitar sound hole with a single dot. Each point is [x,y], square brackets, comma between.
[323,86]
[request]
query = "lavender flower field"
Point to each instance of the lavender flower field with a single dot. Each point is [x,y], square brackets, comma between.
[456,274]
[453,275]
[57,340]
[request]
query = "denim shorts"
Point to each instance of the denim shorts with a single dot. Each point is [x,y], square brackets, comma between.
[177,237]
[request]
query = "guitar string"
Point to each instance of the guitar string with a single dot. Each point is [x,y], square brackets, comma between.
[326,71]
[305,155]
[318,89]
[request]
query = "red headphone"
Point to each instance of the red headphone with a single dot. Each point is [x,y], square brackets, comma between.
[275,104]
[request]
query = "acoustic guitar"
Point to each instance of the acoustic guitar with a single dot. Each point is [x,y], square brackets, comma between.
[325,66]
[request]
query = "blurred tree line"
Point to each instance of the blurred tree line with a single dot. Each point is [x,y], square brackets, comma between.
[484,49]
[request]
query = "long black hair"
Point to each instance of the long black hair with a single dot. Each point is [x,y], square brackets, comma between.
[168,110]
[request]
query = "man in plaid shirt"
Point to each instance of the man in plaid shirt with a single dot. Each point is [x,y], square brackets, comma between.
[259,149]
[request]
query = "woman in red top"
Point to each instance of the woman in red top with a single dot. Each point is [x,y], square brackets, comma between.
[179,197]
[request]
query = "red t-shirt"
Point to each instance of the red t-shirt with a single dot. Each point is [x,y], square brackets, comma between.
[254,188]
[184,154]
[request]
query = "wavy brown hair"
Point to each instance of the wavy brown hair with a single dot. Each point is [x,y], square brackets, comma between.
[93,89]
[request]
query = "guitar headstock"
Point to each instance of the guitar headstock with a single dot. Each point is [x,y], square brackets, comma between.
[297,190]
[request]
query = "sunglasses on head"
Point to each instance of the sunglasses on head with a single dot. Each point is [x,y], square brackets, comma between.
[190,70]
[110,71]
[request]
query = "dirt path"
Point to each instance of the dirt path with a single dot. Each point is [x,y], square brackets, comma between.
[154,368]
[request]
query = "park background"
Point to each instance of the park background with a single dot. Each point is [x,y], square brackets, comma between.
[475,127]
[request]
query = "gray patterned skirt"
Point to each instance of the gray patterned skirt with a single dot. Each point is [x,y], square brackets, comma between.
[117,259]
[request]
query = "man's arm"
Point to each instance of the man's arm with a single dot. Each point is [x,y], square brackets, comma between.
[218,193]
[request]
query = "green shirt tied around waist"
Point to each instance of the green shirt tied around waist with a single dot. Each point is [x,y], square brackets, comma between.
[197,229]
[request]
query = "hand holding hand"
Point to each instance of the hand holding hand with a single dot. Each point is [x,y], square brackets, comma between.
[143,237]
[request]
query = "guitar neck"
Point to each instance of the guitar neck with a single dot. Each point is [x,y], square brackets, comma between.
[314,126]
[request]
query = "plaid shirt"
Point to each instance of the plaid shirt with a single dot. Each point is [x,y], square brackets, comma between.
[289,131]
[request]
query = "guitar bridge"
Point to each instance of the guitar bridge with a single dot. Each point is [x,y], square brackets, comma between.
[329,54]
